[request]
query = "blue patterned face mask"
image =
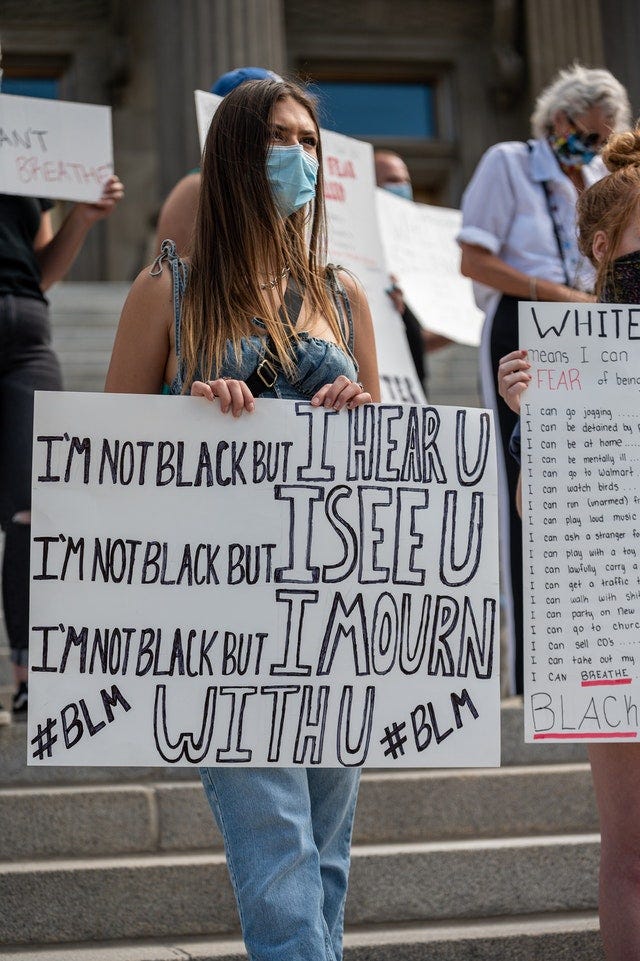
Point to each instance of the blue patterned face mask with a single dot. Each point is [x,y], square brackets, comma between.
[576,150]
[293,174]
[399,189]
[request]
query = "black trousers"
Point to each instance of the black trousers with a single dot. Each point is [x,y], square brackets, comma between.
[504,338]
[27,363]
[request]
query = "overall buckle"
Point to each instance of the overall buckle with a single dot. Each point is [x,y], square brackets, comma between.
[267,373]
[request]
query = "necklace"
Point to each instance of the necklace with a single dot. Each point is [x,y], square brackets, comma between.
[270,284]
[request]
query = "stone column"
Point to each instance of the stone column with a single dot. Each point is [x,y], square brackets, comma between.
[196,41]
[559,32]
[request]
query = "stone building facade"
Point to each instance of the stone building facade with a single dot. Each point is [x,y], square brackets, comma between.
[483,61]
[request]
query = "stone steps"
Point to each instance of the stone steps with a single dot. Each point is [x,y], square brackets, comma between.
[564,937]
[396,807]
[169,895]
[447,864]
[84,318]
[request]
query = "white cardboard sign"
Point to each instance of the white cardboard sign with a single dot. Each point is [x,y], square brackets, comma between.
[296,587]
[206,105]
[53,148]
[354,242]
[421,250]
[581,517]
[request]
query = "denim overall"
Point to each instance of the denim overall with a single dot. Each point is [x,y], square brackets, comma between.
[287,831]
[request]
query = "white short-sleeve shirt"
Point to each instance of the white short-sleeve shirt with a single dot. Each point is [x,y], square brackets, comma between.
[505,210]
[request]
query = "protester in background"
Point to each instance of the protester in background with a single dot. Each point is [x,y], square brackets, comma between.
[32,258]
[609,235]
[257,292]
[178,213]
[392,174]
[518,242]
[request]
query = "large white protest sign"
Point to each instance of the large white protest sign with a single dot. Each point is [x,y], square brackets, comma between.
[295,587]
[581,533]
[52,148]
[420,248]
[354,242]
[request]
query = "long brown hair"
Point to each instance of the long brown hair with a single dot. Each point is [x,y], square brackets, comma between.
[239,235]
[610,203]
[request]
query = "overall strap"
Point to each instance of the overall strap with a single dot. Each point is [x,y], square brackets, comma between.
[179,271]
[266,373]
[341,300]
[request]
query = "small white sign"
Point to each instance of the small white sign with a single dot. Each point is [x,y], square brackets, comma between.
[206,106]
[421,251]
[53,148]
[295,587]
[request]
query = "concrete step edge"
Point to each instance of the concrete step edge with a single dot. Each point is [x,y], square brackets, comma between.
[103,820]
[368,776]
[176,859]
[427,933]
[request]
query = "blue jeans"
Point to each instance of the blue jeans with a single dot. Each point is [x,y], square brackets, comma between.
[287,835]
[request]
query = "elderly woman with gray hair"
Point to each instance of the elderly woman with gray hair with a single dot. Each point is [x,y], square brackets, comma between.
[518,241]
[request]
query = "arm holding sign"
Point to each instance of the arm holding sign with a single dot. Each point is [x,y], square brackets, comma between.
[56,252]
[367,389]
[32,258]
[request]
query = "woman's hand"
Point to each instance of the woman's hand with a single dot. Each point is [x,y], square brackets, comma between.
[234,395]
[341,393]
[513,378]
[112,194]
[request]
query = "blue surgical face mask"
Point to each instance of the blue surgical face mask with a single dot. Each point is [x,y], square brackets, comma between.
[293,174]
[399,189]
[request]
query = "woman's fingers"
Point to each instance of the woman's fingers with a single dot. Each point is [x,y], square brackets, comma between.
[233,395]
[201,389]
[341,393]
[513,378]
[514,355]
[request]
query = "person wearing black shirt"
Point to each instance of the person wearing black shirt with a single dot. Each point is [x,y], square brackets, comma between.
[32,258]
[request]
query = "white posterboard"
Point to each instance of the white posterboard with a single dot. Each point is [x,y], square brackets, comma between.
[421,251]
[294,587]
[55,149]
[581,521]
[354,242]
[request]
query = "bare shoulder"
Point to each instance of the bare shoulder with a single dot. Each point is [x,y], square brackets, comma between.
[188,186]
[143,341]
[151,292]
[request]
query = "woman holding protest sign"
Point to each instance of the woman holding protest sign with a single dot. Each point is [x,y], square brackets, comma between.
[609,235]
[518,242]
[256,313]
[32,259]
